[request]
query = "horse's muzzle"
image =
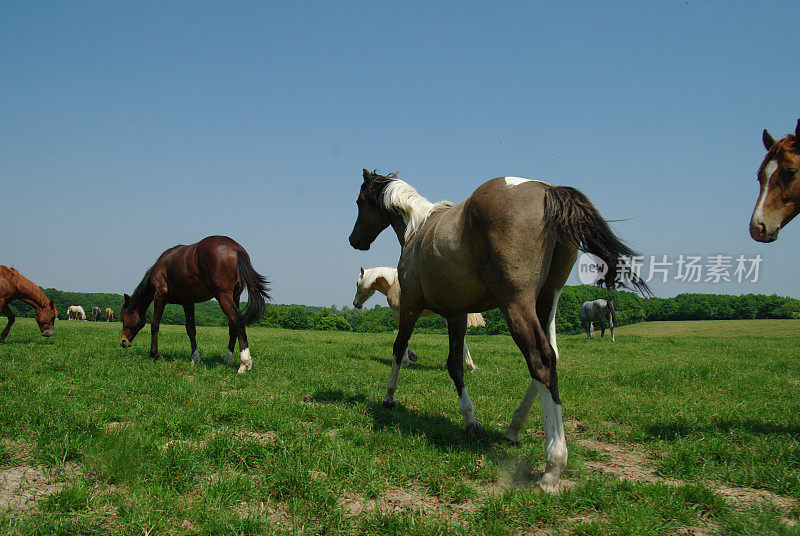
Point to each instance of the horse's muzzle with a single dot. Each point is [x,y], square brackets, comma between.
[357,304]
[125,343]
[47,333]
[758,231]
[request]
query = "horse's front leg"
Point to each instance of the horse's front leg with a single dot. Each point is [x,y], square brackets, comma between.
[456,329]
[191,331]
[158,309]
[406,320]
[6,309]
[602,329]
[410,356]
[611,327]
[591,330]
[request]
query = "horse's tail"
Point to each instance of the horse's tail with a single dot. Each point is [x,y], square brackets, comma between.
[612,309]
[257,288]
[569,217]
[475,320]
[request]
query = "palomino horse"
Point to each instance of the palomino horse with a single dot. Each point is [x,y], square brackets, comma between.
[599,311]
[13,286]
[779,200]
[510,245]
[216,267]
[76,312]
[96,314]
[384,280]
[109,314]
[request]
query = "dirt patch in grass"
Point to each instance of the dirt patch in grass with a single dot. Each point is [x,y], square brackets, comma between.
[22,487]
[398,500]
[634,465]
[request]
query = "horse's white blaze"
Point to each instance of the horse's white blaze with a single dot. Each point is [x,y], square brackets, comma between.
[769,169]
[521,414]
[195,357]
[551,323]
[466,407]
[247,361]
[555,444]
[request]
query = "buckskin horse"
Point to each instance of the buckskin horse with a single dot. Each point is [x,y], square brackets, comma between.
[109,314]
[779,199]
[215,267]
[510,245]
[14,286]
[384,280]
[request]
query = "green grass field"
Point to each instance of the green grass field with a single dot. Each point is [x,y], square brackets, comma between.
[677,428]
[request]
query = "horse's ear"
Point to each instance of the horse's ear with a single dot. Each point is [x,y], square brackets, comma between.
[797,135]
[768,140]
[127,299]
[362,270]
[367,175]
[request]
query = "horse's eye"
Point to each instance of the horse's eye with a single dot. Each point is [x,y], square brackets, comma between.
[787,174]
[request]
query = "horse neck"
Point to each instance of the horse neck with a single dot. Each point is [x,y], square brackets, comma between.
[383,282]
[31,294]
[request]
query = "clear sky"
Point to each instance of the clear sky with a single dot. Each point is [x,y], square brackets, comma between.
[129,127]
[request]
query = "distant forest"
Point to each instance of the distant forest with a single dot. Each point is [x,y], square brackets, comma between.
[631,308]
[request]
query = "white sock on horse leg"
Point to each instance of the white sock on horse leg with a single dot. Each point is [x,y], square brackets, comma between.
[391,385]
[247,361]
[196,356]
[521,414]
[555,444]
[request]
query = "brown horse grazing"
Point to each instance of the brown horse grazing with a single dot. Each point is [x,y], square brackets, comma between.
[779,200]
[109,314]
[216,267]
[511,245]
[13,286]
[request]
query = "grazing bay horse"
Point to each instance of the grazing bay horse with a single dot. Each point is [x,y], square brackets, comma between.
[109,314]
[76,311]
[14,286]
[779,200]
[510,245]
[384,280]
[599,311]
[96,314]
[215,267]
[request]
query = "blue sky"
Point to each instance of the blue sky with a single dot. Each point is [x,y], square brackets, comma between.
[130,127]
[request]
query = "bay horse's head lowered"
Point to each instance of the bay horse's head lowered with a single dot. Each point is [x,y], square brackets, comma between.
[779,200]
[133,320]
[46,318]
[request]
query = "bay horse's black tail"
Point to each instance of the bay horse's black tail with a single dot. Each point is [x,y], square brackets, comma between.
[257,288]
[571,218]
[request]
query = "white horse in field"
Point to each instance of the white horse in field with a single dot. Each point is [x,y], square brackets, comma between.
[599,311]
[75,311]
[384,280]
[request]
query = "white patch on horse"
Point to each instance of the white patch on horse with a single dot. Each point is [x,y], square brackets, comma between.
[555,445]
[551,323]
[415,209]
[516,181]
[247,361]
[391,385]
[195,357]
[770,168]
[466,407]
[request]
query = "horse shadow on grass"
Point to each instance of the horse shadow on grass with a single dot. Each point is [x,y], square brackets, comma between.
[440,432]
[387,361]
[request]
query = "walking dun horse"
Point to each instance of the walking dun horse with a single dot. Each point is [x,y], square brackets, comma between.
[599,311]
[96,312]
[215,267]
[109,314]
[510,245]
[14,286]
[76,312]
[779,199]
[384,280]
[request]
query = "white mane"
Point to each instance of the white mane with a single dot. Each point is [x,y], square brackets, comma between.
[371,274]
[415,209]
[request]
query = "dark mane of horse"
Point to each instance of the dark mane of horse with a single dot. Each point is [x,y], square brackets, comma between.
[144,287]
[377,185]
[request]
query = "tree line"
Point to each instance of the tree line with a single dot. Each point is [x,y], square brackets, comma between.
[631,308]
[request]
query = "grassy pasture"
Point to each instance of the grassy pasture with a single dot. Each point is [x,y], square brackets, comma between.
[677,428]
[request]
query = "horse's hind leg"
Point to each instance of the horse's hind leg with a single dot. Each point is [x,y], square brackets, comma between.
[6,310]
[602,329]
[471,366]
[456,329]
[233,334]
[236,323]
[611,327]
[191,331]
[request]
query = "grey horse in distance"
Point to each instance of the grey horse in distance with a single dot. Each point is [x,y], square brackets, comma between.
[599,311]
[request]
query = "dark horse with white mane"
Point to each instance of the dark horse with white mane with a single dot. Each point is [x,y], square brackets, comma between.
[15,286]
[779,200]
[216,267]
[511,245]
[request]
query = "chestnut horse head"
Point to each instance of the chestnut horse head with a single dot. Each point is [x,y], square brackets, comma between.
[46,318]
[779,200]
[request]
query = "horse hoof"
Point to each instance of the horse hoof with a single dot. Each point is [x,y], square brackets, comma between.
[545,487]
[389,404]
[474,432]
[154,356]
[412,356]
